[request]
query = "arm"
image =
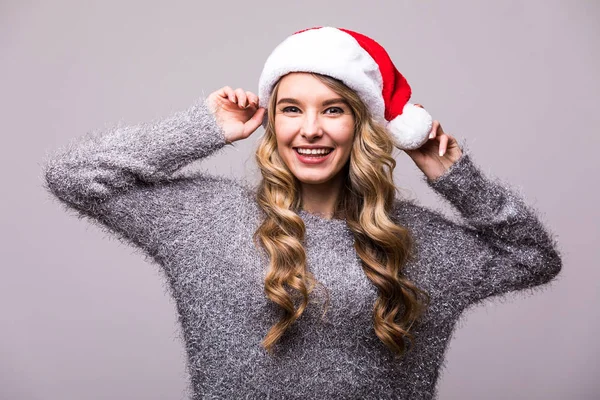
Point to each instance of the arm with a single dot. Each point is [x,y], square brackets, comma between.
[503,245]
[123,179]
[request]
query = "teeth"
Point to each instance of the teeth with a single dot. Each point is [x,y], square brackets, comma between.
[313,151]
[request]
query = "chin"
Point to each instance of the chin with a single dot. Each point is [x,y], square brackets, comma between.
[314,181]
[314,177]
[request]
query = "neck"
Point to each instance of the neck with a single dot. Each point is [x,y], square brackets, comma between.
[321,198]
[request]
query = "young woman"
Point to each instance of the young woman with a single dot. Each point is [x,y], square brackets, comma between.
[320,282]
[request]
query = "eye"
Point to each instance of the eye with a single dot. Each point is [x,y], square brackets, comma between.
[341,111]
[286,109]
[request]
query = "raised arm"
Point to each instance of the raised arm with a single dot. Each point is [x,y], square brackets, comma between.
[501,246]
[123,179]
[101,165]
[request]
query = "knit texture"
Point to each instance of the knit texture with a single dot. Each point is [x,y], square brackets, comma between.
[198,228]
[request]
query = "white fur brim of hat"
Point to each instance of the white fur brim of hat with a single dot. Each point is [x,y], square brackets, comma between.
[330,51]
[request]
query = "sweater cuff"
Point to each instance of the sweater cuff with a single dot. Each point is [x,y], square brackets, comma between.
[202,117]
[467,188]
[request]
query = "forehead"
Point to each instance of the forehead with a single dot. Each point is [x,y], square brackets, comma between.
[302,84]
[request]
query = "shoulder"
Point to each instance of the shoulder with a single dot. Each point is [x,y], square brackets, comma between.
[426,224]
[410,213]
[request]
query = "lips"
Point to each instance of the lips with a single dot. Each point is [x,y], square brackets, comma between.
[312,159]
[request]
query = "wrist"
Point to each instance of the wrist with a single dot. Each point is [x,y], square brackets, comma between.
[445,164]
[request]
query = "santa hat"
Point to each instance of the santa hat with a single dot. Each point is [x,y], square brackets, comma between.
[361,64]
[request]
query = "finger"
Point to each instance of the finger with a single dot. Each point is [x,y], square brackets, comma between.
[443,144]
[252,98]
[434,129]
[230,94]
[222,92]
[216,99]
[241,96]
[253,123]
[440,129]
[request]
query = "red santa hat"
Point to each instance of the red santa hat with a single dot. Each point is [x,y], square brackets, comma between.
[363,65]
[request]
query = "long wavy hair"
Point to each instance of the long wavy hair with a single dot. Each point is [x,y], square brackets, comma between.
[365,201]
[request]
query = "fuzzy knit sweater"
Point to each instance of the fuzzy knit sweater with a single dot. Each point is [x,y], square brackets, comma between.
[198,228]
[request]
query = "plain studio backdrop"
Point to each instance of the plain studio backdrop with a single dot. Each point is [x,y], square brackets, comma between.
[85,317]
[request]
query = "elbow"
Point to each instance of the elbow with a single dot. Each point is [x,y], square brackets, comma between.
[549,265]
[555,264]
[67,183]
[52,177]
[545,257]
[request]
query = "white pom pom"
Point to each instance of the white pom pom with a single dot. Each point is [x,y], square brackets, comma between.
[411,129]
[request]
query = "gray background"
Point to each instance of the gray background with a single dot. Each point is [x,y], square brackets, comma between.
[84,317]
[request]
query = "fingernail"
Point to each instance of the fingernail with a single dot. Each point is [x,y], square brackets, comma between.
[441,152]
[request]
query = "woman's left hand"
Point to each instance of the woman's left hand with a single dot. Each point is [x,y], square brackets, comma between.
[438,153]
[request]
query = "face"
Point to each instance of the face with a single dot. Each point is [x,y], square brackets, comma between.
[310,114]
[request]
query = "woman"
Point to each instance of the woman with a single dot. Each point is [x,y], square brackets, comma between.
[319,282]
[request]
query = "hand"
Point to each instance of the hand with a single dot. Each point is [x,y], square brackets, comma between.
[236,111]
[437,154]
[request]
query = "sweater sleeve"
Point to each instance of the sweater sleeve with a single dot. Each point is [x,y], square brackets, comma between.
[501,244]
[123,178]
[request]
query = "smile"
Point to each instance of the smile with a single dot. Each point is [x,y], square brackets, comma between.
[314,156]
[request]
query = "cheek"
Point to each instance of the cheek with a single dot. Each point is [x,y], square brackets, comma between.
[344,134]
[284,131]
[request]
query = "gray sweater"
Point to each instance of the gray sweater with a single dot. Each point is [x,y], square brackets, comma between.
[198,228]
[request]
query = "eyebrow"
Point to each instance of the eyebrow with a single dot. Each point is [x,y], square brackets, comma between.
[325,103]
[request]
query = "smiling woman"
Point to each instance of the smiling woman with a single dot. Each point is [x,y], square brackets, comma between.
[243,263]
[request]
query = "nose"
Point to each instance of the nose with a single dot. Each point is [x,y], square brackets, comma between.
[311,126]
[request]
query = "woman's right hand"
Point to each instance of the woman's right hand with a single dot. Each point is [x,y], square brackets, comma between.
[236,111]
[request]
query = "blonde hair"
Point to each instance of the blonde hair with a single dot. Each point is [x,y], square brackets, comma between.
[365,201]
